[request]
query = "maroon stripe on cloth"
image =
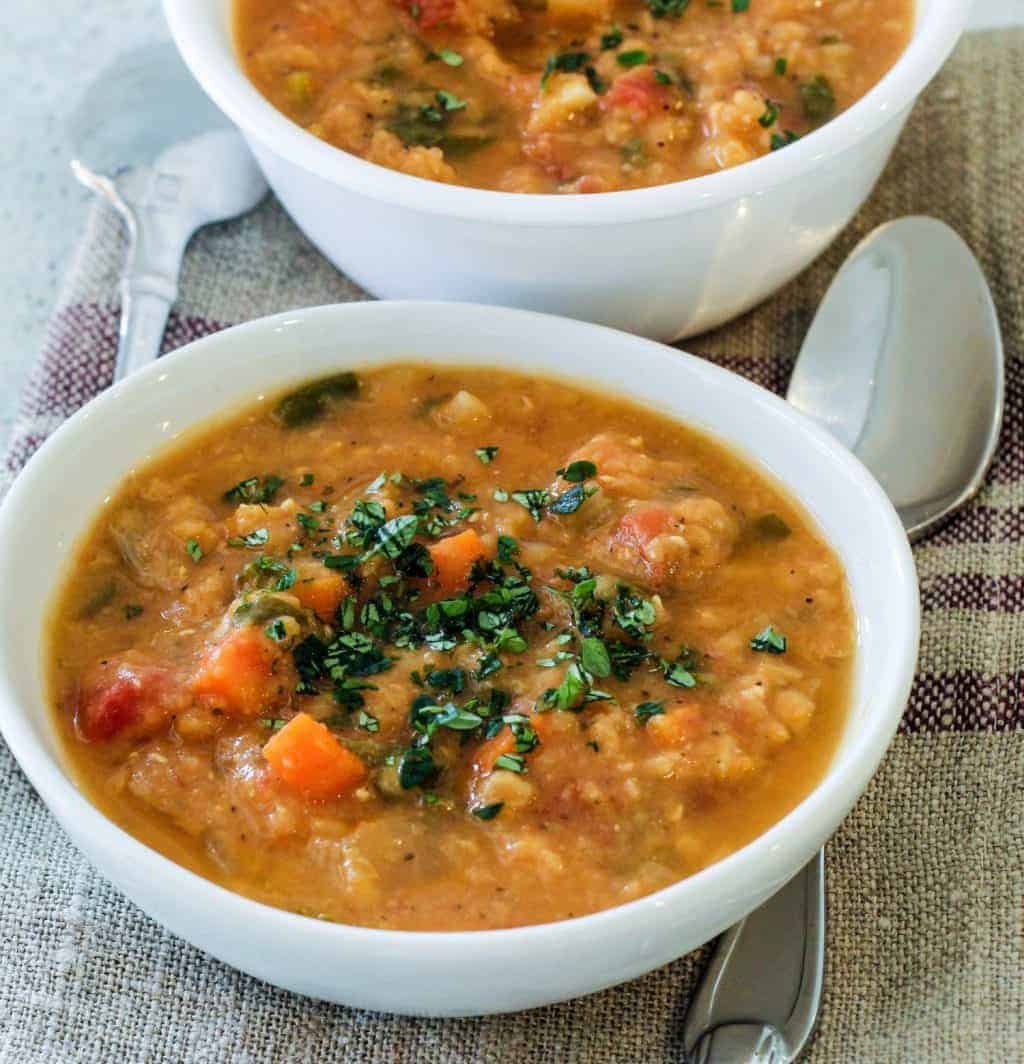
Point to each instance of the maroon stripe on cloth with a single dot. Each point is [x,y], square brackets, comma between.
[1002,593]
[76,364]
[965,701]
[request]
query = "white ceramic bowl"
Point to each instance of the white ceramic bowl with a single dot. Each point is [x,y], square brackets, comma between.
[465,972]
[663,262]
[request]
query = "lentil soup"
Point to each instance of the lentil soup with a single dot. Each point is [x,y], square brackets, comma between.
[566,95]
[450,649]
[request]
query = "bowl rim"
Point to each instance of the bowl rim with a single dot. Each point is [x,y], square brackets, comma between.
[55,783]
[203,47]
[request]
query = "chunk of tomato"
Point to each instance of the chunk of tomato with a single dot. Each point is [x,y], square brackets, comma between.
[124,698]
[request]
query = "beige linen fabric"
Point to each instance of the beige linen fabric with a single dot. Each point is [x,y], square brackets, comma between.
[925,955]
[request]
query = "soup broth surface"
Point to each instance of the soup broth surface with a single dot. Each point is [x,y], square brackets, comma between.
[566,95]
[438,648]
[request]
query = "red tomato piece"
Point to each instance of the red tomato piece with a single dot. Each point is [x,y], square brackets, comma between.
[126,698]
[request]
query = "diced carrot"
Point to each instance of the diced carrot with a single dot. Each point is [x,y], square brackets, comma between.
[305,755]
[238,675]
[322,594]
[454,559]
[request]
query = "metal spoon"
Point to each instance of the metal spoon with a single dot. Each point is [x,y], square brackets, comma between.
[146,139]
[903,363]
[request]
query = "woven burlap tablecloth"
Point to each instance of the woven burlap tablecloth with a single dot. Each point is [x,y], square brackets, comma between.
[925,954]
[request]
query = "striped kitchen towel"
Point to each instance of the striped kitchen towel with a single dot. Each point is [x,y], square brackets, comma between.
[925,954]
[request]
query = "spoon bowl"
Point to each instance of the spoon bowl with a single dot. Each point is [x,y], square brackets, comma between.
[904,365]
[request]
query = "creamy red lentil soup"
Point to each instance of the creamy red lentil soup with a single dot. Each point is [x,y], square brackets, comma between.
[446,649]
[566,95]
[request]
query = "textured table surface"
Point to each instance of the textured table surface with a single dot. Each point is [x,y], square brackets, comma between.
[48,52]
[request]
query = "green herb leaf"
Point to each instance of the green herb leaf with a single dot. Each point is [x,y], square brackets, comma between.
[629,59]
[818,99]
[307,479]
[771,526]
[646,710]
[508,549]
[781,140]
[667,8]
[446,55]
[594,657]
[486,454]
[511,763]
[739,6]
[500,495]
[449,101]
[534,500]
[769,641]
[131,611]
[780,66]
[417,768]
[277,631]
[254,490]
[488,812]
[194,551]
[771,113]
[662,78]
[314,399]
[395,535]
[577,472]
[367,721]
[611,39]
[565,62]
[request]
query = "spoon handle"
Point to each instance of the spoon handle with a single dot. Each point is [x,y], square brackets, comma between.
[145,304]
[758,1000]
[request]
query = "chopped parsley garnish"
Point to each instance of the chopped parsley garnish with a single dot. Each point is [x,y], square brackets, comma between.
[819,101]
[194,551]
[630,59]
[508,548]
[564,62]
[780,66]
[634,614]
[511,763]
[534,500]
[781,140]
[488,812]
[771,526]
[769,641]
[255,490]
[257,538]
[273,723]
[451,58]
[277,631]
[449,101]
[611,39]
[500,495]
[667,8]
[417,768]
[367,721]
[487,454]
[395,535]
[771,113]
[453,680]
[594,657]
[308,523]
[662,78]
[577,472]
[131,611]
[307,480]
[645,710]
[595,81]
[739,6]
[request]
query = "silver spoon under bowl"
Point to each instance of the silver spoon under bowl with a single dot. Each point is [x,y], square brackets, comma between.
[903,363]
[146,139]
